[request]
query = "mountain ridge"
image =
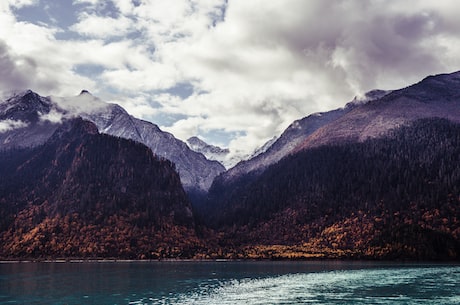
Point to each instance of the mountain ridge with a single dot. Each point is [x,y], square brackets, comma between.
[431,97]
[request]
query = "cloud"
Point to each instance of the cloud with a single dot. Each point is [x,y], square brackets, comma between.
[31,57]
[53,116]
[102,27]
[269,63]
[138,106]
[81,104]
[15,70]
[8,124]
[20,3]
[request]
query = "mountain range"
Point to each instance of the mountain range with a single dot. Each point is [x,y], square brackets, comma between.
[378,178]
[29,120]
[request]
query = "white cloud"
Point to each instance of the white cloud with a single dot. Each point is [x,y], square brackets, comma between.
[102,27]
[83,103]
[8,124]
[53,116]
[138,106]
[93,2]
[20,3]
[278,61]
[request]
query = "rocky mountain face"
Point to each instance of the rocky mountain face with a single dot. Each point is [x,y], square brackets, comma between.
[85,194]
[28,120]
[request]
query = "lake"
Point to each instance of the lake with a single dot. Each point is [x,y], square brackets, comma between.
[229,282]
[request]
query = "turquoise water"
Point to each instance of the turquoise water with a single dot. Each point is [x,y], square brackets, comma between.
[326,282]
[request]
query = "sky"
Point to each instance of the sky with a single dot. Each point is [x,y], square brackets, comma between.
[234,72]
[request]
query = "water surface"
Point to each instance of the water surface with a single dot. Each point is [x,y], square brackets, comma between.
[323,282]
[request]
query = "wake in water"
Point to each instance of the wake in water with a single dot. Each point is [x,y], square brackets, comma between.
[377,286]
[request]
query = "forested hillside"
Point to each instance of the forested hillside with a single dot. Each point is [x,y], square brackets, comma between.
[396,196]
[83,194]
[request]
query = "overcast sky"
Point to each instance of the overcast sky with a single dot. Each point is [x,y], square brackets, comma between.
[234,72]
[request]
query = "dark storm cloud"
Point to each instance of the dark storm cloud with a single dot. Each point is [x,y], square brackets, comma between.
[19,72]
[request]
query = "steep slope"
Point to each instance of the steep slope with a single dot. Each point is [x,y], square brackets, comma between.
[293,136]
[84,194]
[392,197]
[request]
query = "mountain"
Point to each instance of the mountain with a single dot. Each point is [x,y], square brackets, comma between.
[85,194]
[378,178]
[28,120]
[224,155]
[196,172]
[392,197]
[294,135]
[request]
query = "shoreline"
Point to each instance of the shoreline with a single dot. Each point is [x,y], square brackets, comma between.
[249,260]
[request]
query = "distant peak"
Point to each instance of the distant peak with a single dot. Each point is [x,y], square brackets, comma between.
[23,93]
[196,141]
